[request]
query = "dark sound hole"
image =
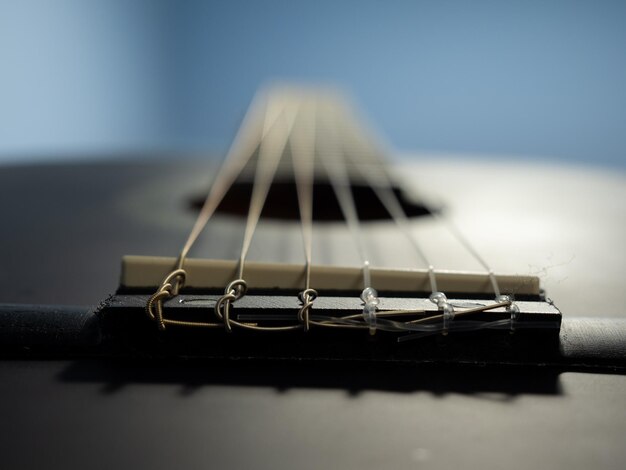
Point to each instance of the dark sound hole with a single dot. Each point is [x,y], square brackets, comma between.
[282,203]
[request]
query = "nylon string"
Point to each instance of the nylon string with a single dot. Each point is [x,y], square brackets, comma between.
[384,191]
[302,145]
[240,152]
[380,182]
[340,181]
[271,150]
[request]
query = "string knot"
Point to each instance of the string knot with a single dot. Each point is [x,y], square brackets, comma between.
[370,299]
[307,297]
[169,288]
[512,308]
[446,309]
[233,292]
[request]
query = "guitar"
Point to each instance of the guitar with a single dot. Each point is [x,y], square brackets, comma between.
[513,219]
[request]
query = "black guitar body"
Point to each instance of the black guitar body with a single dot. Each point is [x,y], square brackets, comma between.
[486,401]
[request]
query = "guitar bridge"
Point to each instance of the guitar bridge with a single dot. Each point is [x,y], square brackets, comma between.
[268,327]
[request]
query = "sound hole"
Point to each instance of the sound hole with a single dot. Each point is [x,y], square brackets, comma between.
[282,202]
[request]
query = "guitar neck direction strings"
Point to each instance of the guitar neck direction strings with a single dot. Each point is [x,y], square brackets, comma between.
[311,126]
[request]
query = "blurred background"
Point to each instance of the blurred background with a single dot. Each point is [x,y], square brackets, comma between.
[530,79]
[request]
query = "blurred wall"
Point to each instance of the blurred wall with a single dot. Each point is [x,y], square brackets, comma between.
[530,78]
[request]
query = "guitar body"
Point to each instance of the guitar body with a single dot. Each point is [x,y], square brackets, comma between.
[66,227]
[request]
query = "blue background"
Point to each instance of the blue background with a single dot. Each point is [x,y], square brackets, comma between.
[532,79]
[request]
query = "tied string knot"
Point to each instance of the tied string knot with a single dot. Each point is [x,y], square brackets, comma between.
[233,292]
[512,308]
[370,299]
[446,309]
[169,288]
[307,297]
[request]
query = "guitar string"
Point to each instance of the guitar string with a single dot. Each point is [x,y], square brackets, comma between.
[302,146]
[446,221]
[340,182]
[380,182]
[243,147]
[456,232]
[271,149]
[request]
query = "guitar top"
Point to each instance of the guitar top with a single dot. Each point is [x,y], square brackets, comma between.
[72,223]
[67,226]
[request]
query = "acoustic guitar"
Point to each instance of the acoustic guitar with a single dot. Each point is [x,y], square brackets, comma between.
[327,309]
